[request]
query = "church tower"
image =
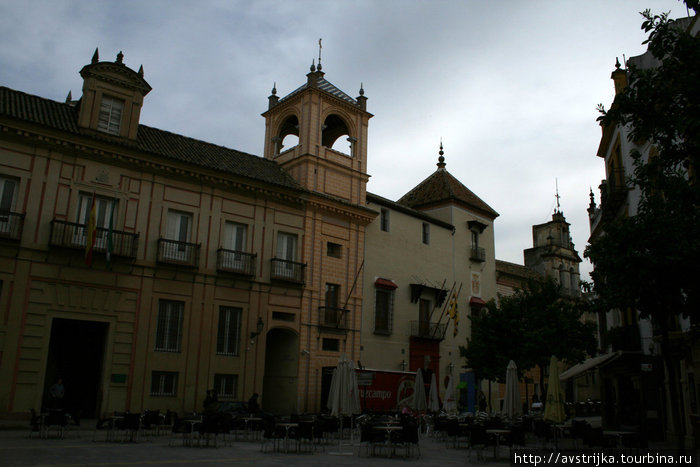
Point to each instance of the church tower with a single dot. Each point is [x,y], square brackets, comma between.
[319,135]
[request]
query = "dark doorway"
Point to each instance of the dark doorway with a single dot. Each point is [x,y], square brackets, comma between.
[76,353]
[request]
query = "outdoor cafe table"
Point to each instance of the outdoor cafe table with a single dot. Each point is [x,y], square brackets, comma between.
[287,426]
[247,421]
[498,432]
[618,435]
[389,429]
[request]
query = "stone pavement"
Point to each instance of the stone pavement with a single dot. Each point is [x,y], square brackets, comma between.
[78,449]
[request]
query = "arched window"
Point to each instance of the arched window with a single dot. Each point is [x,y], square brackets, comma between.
[288,136]
[335,135]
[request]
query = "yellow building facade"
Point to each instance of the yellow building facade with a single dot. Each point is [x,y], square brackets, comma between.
[212,268]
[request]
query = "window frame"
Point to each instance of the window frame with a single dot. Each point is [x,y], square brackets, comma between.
[228,337]
[109,118]
[425,231]
[384,220]
[165,379]
[221,381]
[165,327]
[388,302]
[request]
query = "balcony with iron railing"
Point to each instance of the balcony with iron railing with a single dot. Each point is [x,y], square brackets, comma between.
[72,235]
[428,330]
[287,271]
[477,253]
[236,262]
[333,317]
[178,253]
[11,224]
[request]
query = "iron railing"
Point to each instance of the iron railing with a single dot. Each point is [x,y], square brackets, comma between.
[333,317]
[428,330]
[11,224]
[236,262]
[477,253]
[178,253]
[72,235]
[288,271]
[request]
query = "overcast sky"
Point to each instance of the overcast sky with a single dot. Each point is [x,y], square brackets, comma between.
[510,86]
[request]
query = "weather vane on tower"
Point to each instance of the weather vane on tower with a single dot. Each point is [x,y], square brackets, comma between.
[319,54]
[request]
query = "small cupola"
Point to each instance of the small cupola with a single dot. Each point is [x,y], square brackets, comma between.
[112,97]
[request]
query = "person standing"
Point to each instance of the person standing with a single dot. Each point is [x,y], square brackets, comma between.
[57,391]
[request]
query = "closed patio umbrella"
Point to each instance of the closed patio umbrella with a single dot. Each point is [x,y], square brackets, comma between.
[433,398]
[511,401]
[554,403]
[344,397]
[419,403]
[450,402]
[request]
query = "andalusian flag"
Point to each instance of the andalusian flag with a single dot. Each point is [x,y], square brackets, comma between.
[110,232]
[91,234]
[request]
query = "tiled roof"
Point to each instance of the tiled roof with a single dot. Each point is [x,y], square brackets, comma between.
[517,270]
[372,198]
[64,117]
[324,85]
[441,187]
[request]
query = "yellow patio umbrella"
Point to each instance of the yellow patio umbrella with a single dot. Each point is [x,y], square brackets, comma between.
[554,403]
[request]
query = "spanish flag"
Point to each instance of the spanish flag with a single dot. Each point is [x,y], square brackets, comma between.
[91,233]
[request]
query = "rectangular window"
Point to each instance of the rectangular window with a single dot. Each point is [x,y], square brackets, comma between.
[384,220]
[178,231]
[8,194]
[383,310]
[426,233]
[286,246]
[164,383]
[475,239]
[235,236]
[334,250]
[424,316]
[8,200]
[105,208]
[226,385]
[331,345]
[169,326]
[110,115]
[229,332]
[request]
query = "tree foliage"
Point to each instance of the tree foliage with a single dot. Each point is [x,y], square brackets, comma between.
[651,261]
[529,327]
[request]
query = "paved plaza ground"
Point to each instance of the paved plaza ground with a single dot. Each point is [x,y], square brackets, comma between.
[78,449]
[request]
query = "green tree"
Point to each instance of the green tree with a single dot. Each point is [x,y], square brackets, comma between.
[651,261]
[529,327]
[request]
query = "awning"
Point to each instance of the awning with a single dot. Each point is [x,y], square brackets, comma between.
[385,284]
[588,364]
[476,301]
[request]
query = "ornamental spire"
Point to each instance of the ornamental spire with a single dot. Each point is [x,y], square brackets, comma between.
[441,160]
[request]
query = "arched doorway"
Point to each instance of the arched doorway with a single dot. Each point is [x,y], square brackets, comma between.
[281,367]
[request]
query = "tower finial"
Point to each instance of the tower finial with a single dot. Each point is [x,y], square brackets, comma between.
[556,181]
[313,65]
[95,56]
[362,89]
[319,55]
[441,160]
[274,88]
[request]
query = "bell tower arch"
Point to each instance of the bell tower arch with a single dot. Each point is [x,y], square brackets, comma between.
[318,133]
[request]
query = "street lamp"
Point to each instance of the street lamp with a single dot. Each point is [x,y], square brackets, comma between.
[259,328]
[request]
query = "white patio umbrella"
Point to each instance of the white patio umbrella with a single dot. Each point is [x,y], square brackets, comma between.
[554,405]
[450,402]
[419,403]
[433,398]
[511,401]
[344,397]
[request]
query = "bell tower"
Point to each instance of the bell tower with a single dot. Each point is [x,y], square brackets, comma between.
[319,135]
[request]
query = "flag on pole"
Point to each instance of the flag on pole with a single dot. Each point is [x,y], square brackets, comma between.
[110,231]
[455,316]
[91,233]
